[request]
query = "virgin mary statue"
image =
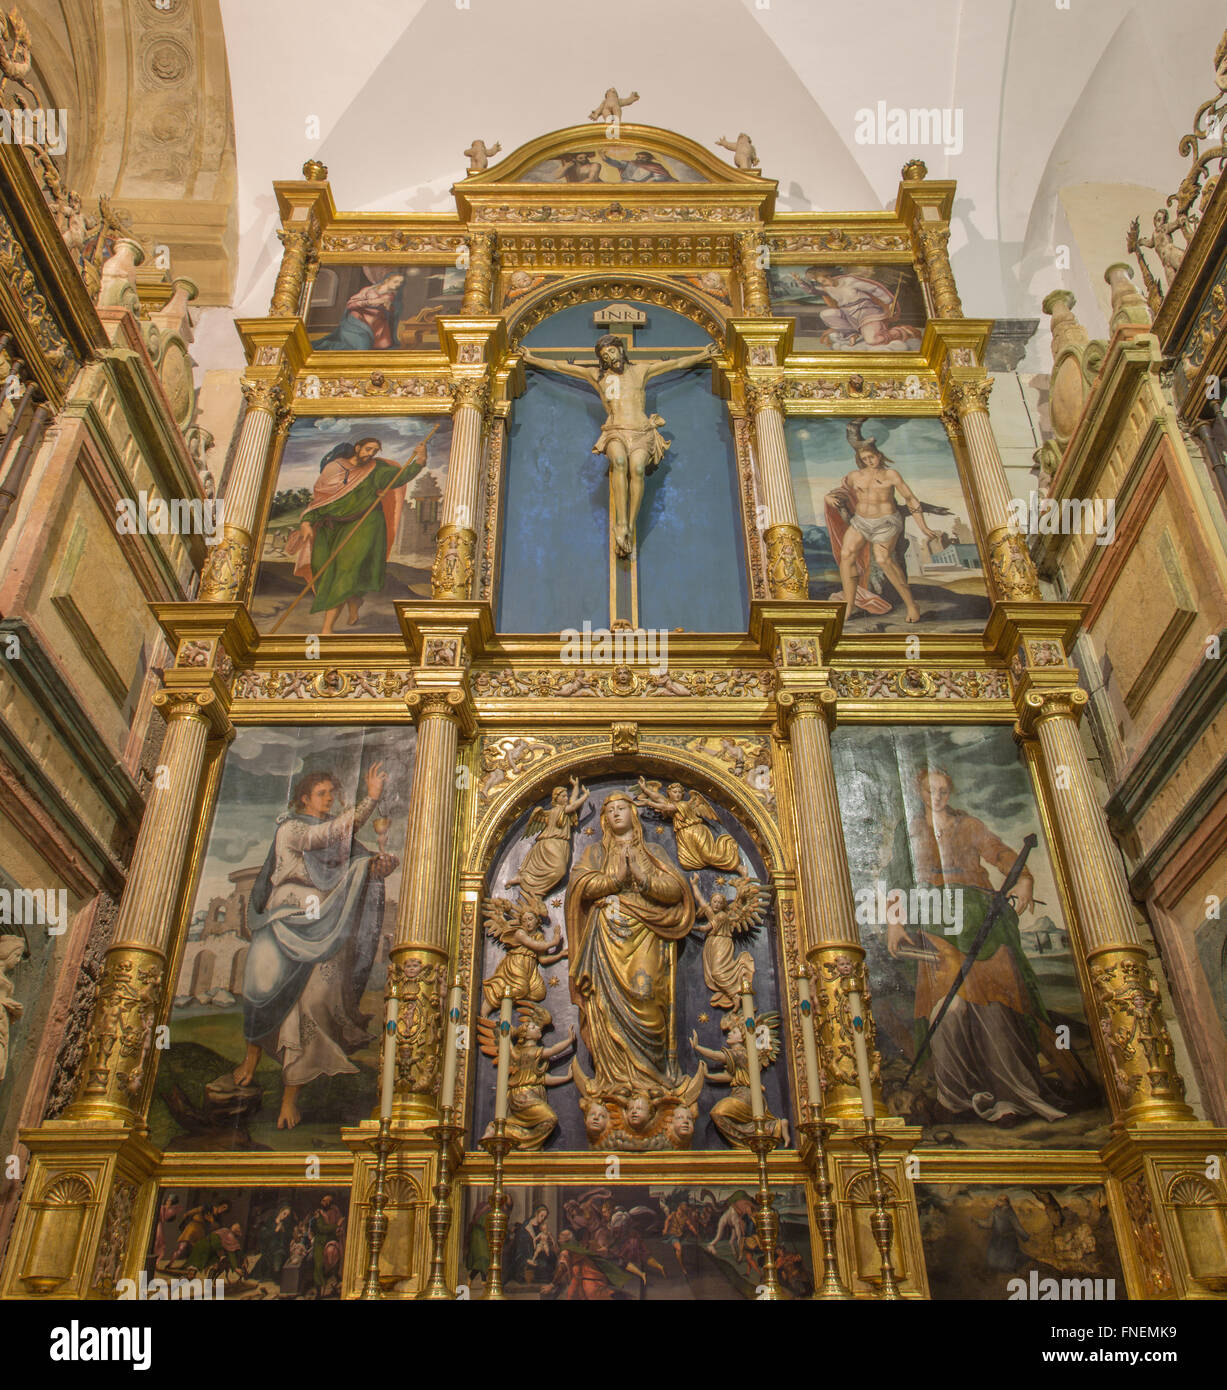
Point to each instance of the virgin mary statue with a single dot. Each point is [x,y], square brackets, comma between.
[626,906]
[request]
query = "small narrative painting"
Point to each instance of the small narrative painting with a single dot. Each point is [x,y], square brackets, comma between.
[278,1008]
[639,1242]
[623,916]
[607,161]
[372,308]
[1019,1243]
[885,523]
[353,522]
[1001,1056]
[850,308]
[258,1242]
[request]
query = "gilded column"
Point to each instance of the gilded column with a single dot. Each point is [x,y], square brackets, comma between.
[754,253]
[786,571]
[456,543]
[299,246]
[836,957]
[933,237]
[1010,562]
[1143,1079]
[229,563]
[118,1066]
[479,277]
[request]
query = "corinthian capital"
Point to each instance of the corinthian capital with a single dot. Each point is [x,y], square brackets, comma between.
[970,395]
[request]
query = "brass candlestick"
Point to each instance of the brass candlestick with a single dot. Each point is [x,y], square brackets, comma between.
[447,1135]
[766,1219]
[498,1145]
[376,1220]
[880,1221]
[815,1155]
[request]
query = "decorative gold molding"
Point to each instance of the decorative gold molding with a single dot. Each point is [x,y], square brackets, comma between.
[786,571]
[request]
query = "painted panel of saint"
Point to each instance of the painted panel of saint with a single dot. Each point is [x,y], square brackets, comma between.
[276,1021]
[934,819]
[1019,1243]
[850,308]
[373,308]
[263,1242]
[635,1242]
[886,524]
[353,522]
[607,161]
[623,916]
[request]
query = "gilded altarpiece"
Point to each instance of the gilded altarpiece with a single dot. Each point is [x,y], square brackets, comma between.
[624,831]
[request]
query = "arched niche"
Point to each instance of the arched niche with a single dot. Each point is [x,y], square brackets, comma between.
[555,561]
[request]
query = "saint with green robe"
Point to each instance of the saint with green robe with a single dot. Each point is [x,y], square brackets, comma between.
[342,545]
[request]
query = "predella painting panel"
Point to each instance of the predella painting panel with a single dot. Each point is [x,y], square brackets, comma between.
[933,819]
[353,522]
[627,1032]
[369,308]
[850,308]
[1022,1242]
[640,1242]
[263,1242]
[279,1002]
[884,520]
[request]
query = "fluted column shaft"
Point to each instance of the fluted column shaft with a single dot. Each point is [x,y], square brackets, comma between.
[1010,562]
[833,949]
[229,563]
[419,957]
[118,1067]
[456,543]
[786,570]
[1143,1079]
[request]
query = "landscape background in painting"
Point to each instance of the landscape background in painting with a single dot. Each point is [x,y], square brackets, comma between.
[974,1244]
[413,546]
[366,308]
[689,1240]
[886,314]
[207,1040]
[606,161]
[694,1010]
[875,772]
[290,1243]
[948,585]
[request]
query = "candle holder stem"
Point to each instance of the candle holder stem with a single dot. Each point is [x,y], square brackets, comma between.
[766,1218]
[497,1145]
[880,1221]
[815,1154]
[447,1135]
[376,1218]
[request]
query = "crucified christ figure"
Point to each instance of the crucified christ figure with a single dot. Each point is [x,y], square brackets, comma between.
[630,439]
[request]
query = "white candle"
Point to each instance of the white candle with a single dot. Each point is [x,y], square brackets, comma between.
[862,1053]
[756,1081]
[812,1083]
[504,1055]
[450,1059]
[389,1059]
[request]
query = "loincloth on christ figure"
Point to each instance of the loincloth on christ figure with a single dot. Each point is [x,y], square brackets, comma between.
[648,437]
[879,530]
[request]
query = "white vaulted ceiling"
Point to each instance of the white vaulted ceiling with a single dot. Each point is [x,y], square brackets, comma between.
[1071,116]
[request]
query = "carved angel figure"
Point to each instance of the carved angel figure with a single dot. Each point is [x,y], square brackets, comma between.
[697,846]
[726,917]
[517,926]
[12,948]
[546,864]
[611,107]
[734,1115]
[745,156]
[478,154]
[530,1120]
